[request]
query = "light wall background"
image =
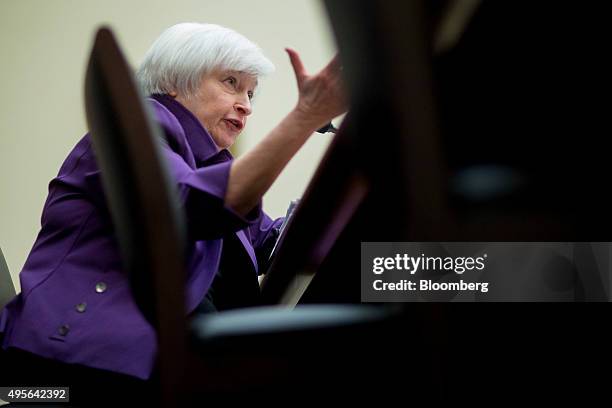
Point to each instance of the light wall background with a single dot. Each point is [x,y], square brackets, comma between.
[44,46]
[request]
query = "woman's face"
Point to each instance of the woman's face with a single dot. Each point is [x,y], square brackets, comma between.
[222,104]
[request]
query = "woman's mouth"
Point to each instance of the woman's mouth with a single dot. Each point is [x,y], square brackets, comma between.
[233,125]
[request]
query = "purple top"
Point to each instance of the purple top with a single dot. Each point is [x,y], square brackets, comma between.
[75,303]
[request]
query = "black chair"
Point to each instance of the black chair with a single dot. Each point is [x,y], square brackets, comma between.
[249,349]
[7,289]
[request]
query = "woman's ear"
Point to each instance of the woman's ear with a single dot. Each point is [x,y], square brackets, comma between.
[172,94]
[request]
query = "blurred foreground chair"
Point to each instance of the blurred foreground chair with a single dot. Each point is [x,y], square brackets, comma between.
[7,289]
[258,349]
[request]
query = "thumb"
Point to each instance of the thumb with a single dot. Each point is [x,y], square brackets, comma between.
[298,67]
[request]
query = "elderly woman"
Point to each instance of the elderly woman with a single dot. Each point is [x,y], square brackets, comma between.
[75,318]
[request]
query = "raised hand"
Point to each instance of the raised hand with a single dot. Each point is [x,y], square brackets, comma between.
[322,96]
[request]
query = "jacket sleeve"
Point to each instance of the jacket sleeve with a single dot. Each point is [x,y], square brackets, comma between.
[264,233]
[202,194]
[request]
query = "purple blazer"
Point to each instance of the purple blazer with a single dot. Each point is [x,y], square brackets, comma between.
[75,303]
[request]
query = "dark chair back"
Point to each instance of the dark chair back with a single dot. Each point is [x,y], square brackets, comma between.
[7,290]
[142,200]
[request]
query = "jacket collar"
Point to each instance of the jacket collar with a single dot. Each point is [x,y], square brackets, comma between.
[200,141]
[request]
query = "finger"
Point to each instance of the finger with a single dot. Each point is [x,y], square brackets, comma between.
[296,62]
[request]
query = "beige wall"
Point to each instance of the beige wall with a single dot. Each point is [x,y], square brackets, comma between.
[43,50]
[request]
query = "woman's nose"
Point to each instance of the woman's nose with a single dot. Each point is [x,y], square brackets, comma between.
[244,107]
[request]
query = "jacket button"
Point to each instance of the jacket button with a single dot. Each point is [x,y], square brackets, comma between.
[63,330]
[81,307]
[100,287]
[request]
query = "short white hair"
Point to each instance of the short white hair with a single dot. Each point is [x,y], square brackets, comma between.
[185,52]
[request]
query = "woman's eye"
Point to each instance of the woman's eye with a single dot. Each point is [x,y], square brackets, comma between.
[232,81]
[250,93]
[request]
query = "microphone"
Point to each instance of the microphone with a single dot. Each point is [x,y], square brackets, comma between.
[328,128]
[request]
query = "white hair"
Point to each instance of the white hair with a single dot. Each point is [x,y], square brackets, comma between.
[185,52]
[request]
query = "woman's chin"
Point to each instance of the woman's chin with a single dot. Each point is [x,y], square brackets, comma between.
[224,140]
[229,140]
